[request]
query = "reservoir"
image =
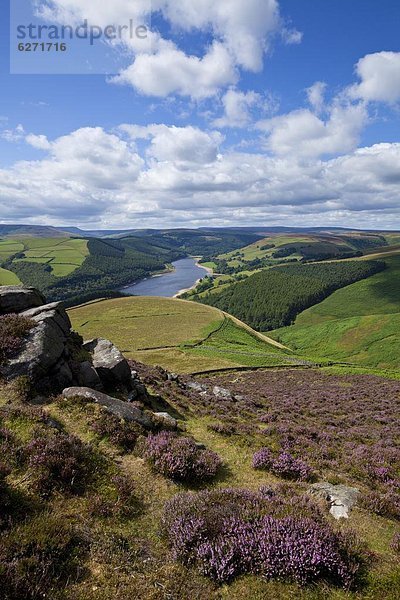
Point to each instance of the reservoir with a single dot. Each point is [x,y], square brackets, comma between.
[186,273]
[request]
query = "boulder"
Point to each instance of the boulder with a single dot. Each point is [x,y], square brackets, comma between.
[44,346]
[118,408]
[220,392]
[88,376]
[112,368]
[15,299]
[339,497]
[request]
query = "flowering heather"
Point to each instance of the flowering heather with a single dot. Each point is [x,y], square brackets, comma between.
[230,532]
[59,461]
[223,428]
[343,425]
[13,330]
[179,458]
[263,459]
[288,467]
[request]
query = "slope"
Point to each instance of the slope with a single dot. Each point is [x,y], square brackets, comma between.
[359,324]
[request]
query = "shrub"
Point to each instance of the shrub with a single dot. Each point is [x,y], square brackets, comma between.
[120,433]
[263,459]
[288,467]
[13,330]
[222,428]
[59,461]
[39,556]
[396,543]
[285,465]
[385,505]
[231,532]
[179,458]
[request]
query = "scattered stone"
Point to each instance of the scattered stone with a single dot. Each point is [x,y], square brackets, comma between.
[173,377]
[220,392]
[340,498]
[165,420]
[112,368]
[197,387]
[15,299]
[118,408]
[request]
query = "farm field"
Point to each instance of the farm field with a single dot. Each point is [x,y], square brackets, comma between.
[358,324]
[177,335]
[63,256]
[8,278]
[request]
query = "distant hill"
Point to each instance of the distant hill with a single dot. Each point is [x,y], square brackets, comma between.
[45,231]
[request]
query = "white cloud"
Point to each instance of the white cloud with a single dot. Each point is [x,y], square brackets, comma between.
[316,95]
[380,78]
[241,33]
[181,145]
[304,134]
[291,36]
[38,141]
[13,135]
[92,176]
[171,71]
[236,108]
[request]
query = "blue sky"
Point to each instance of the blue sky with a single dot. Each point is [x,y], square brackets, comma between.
[213,124]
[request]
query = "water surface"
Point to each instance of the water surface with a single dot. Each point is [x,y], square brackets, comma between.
[186,273]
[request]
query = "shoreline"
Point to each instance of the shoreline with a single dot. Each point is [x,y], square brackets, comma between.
[207,269]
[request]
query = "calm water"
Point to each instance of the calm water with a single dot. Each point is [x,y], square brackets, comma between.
[184,276]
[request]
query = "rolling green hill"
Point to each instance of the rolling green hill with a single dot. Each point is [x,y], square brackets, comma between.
[177,335]
[358,324]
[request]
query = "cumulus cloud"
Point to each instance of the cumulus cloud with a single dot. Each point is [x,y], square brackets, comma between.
[380,78]
[183,177]
[237,107]
[304,134]
[182,145]
[171,71]
[316,95]
[239,33]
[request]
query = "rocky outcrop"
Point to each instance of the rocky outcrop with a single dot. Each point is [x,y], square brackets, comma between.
[45,349]
[118,408]
[339,497]
[110,365]
[15,299]
[53,356]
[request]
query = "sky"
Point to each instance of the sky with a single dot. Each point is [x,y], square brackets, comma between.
[230,112]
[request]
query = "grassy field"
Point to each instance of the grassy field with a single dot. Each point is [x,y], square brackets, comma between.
[62,255]
[177,335]
[8,278]
[358,324]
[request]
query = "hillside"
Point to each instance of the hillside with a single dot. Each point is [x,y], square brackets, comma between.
[358,324]
[177,335]
[274,297]
[133,482]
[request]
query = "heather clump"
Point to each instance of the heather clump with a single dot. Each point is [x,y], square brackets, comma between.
[38,556]
[122,434]
[284,465]
[395,545]
[231,532]
[13,330]
[180,458]
[226,429]
[58,462]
